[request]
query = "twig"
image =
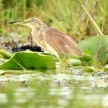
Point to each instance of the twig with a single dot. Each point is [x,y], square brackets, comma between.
[92,21]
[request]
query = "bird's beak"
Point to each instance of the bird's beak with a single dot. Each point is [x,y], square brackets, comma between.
[22,22]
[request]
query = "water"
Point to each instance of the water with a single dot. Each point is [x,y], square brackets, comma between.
[77,85]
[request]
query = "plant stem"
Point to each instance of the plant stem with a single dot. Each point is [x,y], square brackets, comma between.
[92,21]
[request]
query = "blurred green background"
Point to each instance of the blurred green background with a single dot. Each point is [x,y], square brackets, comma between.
[65,15]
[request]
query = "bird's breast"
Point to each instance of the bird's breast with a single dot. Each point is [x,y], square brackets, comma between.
[38,39]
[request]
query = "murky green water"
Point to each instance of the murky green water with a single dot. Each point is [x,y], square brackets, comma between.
[53,90]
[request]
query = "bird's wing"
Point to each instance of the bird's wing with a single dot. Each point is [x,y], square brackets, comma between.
[60,42]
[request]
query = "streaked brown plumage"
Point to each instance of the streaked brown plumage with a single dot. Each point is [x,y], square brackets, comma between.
[59,41]
[51,39]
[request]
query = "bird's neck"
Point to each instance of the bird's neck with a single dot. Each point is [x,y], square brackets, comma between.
[37,30]
[40,28]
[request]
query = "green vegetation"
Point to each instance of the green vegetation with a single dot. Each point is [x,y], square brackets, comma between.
[28,60]
[69,17]
[65,15]
[97,45]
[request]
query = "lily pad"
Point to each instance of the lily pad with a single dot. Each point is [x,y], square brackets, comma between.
[75,62]
[29,60]
[98,46]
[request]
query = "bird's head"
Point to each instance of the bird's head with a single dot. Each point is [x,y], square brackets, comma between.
[31,22]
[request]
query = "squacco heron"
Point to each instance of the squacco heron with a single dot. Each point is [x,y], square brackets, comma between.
[51,39]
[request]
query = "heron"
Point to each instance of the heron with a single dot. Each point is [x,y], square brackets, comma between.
[52,39]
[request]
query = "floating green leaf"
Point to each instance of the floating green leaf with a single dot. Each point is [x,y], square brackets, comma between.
[87,69]
[29,60]
[75,62]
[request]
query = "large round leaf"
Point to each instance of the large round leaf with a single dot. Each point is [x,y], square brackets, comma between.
[29,60]
[98,45]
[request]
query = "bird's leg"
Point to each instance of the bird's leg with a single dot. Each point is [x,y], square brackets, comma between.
[61,63]
[64,63]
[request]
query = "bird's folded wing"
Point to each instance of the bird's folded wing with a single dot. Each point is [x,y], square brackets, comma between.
[60,42]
